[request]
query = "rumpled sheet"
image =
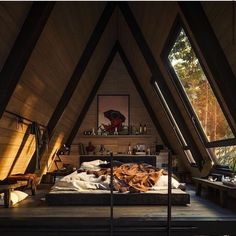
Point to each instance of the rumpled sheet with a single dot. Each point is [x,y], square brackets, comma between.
[139,177]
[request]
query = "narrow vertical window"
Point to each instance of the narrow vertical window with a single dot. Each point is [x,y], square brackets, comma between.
[175,126]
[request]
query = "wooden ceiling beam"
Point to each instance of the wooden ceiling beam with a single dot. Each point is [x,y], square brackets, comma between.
[144,97]
[212,52]
[81,66]
[154,68]
[92,94]
[22,49]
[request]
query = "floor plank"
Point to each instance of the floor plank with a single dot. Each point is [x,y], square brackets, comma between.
[200,217]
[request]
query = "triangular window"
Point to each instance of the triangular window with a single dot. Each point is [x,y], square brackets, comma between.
[198,90]
[199,98]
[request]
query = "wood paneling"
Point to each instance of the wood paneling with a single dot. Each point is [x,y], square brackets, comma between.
[57,52]
[53,60]
[117,81]
[81,66]
[84,87]
[220,16]
[156,43]
[91,95]
[144,75]
[45,77]
[22,49]
[12,15]
[144,97]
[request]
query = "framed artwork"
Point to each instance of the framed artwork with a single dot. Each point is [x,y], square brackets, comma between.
[113,113]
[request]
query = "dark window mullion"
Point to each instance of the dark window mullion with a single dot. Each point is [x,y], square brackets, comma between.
[178,133]
[221,143]
[182,140]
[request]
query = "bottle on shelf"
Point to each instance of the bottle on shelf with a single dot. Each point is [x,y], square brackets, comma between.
[148,152]
[99,131]
[129,149]
[115,132]
[93,132]
[140,129]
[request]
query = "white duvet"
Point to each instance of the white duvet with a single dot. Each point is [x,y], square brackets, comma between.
[83,181]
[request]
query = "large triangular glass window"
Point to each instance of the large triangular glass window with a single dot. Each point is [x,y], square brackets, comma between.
[200,100]
[198,90]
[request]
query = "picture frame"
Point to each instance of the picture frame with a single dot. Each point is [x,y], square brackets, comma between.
[113,113]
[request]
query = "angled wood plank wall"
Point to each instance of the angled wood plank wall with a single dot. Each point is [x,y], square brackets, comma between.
[12,16]
[46,75]
[118,81]
[138,63]
[221,19]
[79,97]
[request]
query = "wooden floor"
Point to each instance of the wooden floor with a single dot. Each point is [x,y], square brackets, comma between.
[34,217]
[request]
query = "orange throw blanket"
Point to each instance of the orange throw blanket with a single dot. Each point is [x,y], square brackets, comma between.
[133,177]
[141,177]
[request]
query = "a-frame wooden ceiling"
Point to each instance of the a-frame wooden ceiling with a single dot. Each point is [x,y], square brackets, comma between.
[55,55]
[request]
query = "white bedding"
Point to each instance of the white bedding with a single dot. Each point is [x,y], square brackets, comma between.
[84,182]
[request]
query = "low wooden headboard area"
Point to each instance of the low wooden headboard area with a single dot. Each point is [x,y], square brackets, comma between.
[149,159]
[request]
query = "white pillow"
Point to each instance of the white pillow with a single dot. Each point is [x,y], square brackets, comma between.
[163,182]
[16,196]
[21,195]
[92,165]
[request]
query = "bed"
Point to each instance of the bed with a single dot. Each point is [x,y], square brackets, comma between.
[62,196]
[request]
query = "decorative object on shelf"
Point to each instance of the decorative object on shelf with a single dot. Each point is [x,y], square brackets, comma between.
[93,132]
[129,150]
[115,132]
[140,129]
[102,149]
[229,181]
[87,132]
[124,131]
[141,149]
[99,131]
[113,112]
[90,148]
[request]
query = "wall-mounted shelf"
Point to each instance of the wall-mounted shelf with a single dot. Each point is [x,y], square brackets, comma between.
[117,136]
[117,155]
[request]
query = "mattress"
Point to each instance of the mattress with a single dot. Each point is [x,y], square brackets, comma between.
[102,198]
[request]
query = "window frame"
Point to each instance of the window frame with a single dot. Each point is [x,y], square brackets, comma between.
[174,33]
[182,140]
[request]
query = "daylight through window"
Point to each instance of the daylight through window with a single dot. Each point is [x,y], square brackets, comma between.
[198,90]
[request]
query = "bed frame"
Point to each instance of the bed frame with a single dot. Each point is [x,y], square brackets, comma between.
[63,198]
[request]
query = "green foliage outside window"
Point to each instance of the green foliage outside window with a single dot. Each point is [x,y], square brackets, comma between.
[226,156]
[202,99]
[198,90]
